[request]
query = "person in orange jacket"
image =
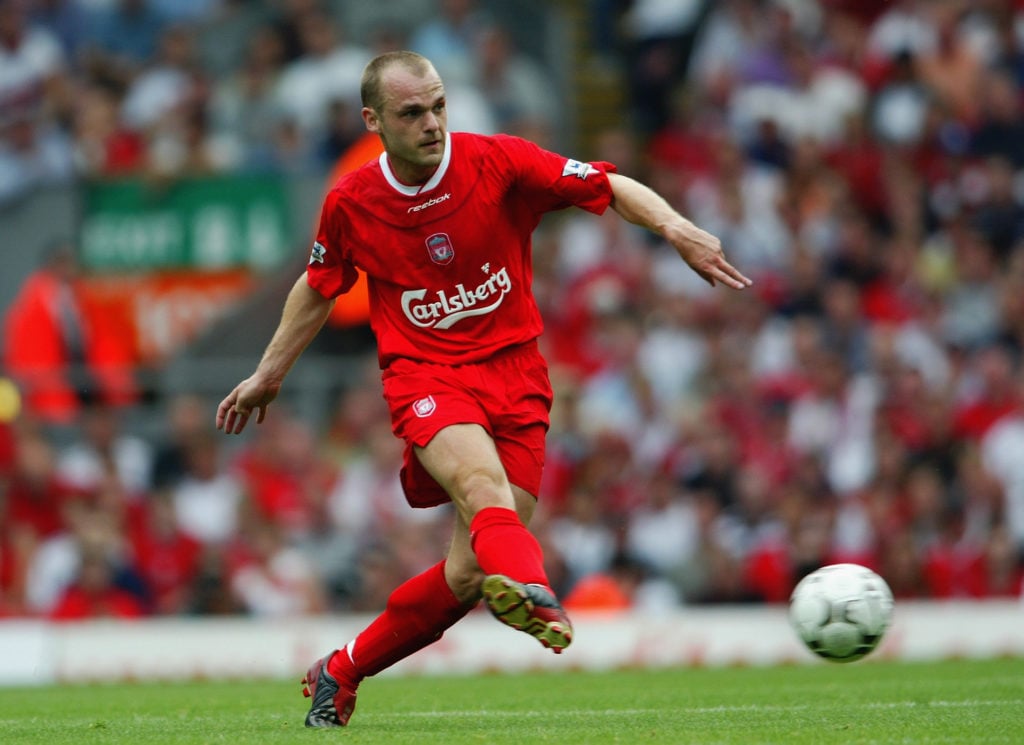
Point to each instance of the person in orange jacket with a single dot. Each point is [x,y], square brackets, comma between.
[59,347]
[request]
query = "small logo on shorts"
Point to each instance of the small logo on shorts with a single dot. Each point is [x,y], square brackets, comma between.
[424,407]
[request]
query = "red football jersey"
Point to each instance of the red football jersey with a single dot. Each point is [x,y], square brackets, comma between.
[448,263]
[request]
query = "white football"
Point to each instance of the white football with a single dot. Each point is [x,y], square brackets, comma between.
[841,611]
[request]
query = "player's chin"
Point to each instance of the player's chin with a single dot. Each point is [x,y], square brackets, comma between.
[431,159]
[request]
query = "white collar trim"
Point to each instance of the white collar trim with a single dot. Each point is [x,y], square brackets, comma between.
[411,191]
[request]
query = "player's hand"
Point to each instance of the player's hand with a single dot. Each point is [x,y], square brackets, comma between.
[703,252]
[249,395]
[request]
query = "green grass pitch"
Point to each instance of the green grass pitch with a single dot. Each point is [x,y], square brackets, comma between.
[963,701]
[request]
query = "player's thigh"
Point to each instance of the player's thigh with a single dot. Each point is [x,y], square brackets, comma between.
[463,459]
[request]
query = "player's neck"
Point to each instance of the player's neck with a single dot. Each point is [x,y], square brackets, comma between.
[409,175]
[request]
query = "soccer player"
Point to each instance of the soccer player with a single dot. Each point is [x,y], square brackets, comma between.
[441,226]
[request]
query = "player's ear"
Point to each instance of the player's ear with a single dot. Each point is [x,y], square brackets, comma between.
[371,120]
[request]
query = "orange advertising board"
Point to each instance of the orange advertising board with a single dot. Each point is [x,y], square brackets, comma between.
[161,311]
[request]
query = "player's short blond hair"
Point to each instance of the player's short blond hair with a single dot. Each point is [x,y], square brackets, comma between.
[370,88]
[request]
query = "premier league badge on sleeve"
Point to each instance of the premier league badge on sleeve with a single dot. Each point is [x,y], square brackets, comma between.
[317,254]
[439,246]
[577,169]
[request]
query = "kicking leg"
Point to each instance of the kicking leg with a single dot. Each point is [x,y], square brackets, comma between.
[464,460]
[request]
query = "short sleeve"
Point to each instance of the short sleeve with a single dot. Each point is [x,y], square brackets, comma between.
[552,181]
[328,270]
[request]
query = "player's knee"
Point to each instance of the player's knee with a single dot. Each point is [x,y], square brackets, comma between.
[479,488]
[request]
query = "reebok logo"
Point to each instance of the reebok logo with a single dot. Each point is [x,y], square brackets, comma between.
[429,203]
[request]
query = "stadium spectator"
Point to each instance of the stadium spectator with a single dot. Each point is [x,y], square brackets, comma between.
[34,82]
[122,38]
[953,67]
[243,105]
[93,531]
[168,103]
[343,130]
[68,20]
[35,95]
[186,422]
[449,37]
[518,92]
[906,25]
[32,156]
[107,454]
[582,537]
[273,579]
[56,347]
[661,533]
[970,315]
[210,594]
[327,69]
[657,41]
[104,146]
[999,130]
[209,500]
[124,35]
[166,559]
[34,494]
[623,585]
[185,10]
[280,471]
[94,593]
[732,29]
[366,498]
[225,33]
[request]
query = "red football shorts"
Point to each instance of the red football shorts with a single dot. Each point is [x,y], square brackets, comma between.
[509,395]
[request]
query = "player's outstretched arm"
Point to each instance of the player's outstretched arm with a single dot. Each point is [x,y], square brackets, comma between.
[304,314]
[641,205]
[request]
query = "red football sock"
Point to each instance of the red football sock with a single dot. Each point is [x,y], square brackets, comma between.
[503,545]
[417,613]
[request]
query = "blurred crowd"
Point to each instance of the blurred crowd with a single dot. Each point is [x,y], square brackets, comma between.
[174,88]
[864,401]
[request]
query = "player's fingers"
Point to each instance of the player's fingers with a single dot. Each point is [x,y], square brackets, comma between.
[224,412]
[731,276]
[261,413]
[241,418]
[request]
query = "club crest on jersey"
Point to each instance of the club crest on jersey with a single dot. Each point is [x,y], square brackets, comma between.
[440,248]
[424,407]
[317,254]
[577,169]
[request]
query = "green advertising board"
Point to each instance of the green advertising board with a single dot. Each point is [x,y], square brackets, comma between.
[202,224]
